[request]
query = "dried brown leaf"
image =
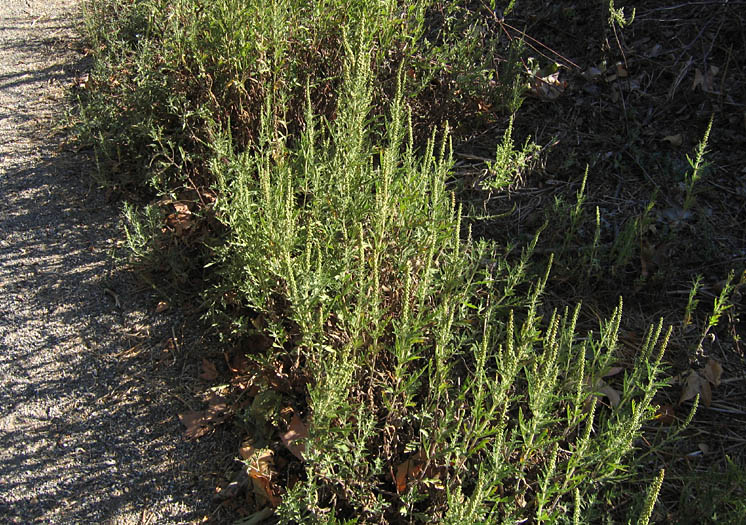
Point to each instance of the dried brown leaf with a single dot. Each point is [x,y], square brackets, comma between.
[197,424]
[264,491]
[259,461]
[706,393]
[246,450]
[297,430]
[218,405]
[209,372]
[705,81]
[696,384]
[614,370]
[259,467]
[609,392]
[409,470]
[181,207]
[691,387]
[713,371]
[549,87]
[180,222]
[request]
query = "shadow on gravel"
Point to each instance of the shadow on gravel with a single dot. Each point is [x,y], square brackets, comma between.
[92,379]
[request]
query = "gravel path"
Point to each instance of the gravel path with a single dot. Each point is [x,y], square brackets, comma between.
[90,387]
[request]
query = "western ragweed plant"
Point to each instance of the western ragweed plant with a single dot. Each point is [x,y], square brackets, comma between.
[437,386]
[510,162]
[429,379]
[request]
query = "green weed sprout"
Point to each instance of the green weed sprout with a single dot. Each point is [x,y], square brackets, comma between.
[698,166]
[510,162]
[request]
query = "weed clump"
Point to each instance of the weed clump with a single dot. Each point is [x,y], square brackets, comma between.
[411,371]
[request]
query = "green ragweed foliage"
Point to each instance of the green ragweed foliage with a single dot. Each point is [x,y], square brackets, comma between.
[436,391]
[435,384]
[510,162]
[168,71]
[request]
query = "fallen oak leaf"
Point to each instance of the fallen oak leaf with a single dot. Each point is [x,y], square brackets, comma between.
[409,470]
[601,388]
[297,430]
[614,370]
[691,387]
[609,392]
[259,460]
[218,408]
[706,80]
[199,423]
[246,450]
[696,384]
[209,372]
[180,222]
[549,87]
[713,371]
[181,207]
[263,490]
[196,422]
[259,464]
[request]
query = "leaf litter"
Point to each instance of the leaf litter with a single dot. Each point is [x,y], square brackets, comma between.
[259,463]
[418,467]
[209,371]
[293,438]
[201,422]
[700,382]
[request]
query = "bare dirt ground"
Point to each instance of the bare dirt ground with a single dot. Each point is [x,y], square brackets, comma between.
[92,378]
